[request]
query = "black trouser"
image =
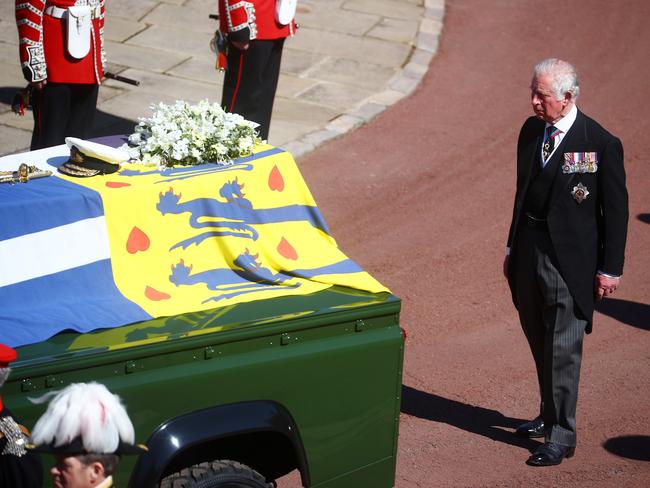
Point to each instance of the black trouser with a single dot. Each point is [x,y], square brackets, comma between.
[251,80]
[62,110]
[554,329]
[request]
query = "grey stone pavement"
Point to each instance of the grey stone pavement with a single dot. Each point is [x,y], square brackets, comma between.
[349,60]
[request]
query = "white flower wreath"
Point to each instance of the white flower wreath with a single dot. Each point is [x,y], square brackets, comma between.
[184,134]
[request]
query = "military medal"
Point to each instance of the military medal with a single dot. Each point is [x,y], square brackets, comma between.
[579,192]
[585,162]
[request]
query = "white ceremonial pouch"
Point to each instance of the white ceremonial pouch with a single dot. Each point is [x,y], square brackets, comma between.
[285,11]
[79,27]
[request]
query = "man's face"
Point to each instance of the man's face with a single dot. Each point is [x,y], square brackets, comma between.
[69,472]
[544,102]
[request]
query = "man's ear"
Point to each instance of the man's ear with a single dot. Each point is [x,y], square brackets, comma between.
[97,474]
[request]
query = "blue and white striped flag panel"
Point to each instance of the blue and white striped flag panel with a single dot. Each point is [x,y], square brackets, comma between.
[55,268]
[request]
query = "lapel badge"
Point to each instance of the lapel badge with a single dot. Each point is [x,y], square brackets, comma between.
[579,192]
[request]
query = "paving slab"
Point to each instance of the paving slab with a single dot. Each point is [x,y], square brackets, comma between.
[352,47]
[9,31]
[129,9]
[142,57]
[198,69]
[14,140]
[7,10]
[302,112]
[184,42]
[296,61]
[291,86]
[8,53]
[283,131]
[106,92]
[353,72]
[349,60]
[208,6]
[120,30]
[335,95]
[394,30]
[133,105]
[170,86]
[321,17]
[194,18]
[11,75]
[395,9]
[23,122]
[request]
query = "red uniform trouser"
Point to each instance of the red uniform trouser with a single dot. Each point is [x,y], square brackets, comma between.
[251,80]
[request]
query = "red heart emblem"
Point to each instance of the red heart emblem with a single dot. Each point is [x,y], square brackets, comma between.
[137,241]
[276,181]
[116,184]
[285,249]
[155,295]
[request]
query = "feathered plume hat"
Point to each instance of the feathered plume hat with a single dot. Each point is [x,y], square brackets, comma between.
[84,418]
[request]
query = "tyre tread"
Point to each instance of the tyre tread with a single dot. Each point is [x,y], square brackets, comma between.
[210,474]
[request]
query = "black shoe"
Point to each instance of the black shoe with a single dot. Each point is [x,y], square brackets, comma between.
[534,428]
[550,454]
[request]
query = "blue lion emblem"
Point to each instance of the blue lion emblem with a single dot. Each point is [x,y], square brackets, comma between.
[246,276]
[233,214]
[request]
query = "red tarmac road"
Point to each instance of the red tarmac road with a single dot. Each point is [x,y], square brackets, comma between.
[422,198]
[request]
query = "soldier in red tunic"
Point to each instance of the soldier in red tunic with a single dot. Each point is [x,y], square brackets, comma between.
[256,30]
[61,46]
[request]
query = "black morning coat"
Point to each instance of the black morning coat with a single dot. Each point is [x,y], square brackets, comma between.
[25,471]
[587,236]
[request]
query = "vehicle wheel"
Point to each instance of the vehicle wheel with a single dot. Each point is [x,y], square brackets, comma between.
[217,474]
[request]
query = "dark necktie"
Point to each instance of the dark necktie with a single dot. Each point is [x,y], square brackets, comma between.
[549,145]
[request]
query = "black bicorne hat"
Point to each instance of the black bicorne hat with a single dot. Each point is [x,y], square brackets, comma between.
[76,448]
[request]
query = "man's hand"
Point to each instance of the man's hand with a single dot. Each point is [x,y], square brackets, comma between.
[506,262]
[605,286]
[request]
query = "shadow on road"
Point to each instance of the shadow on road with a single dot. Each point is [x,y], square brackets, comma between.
[106,124]
[7,93]
[630,313]
[629,446]
[478,420]
[644,217]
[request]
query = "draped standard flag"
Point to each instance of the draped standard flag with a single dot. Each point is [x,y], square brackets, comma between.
[87,253]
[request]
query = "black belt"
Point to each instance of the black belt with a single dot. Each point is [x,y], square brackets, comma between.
[534,222]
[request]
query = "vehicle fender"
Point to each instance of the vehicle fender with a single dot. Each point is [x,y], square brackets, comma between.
[206,426]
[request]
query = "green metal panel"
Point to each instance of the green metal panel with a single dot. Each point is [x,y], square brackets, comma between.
[333,360]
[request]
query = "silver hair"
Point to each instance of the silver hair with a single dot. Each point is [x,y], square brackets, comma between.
[563,75]
[4,374]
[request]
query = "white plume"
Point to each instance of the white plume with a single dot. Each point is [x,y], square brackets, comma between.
[86,410]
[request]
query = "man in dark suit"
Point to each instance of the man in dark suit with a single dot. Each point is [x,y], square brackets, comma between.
[566,244]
